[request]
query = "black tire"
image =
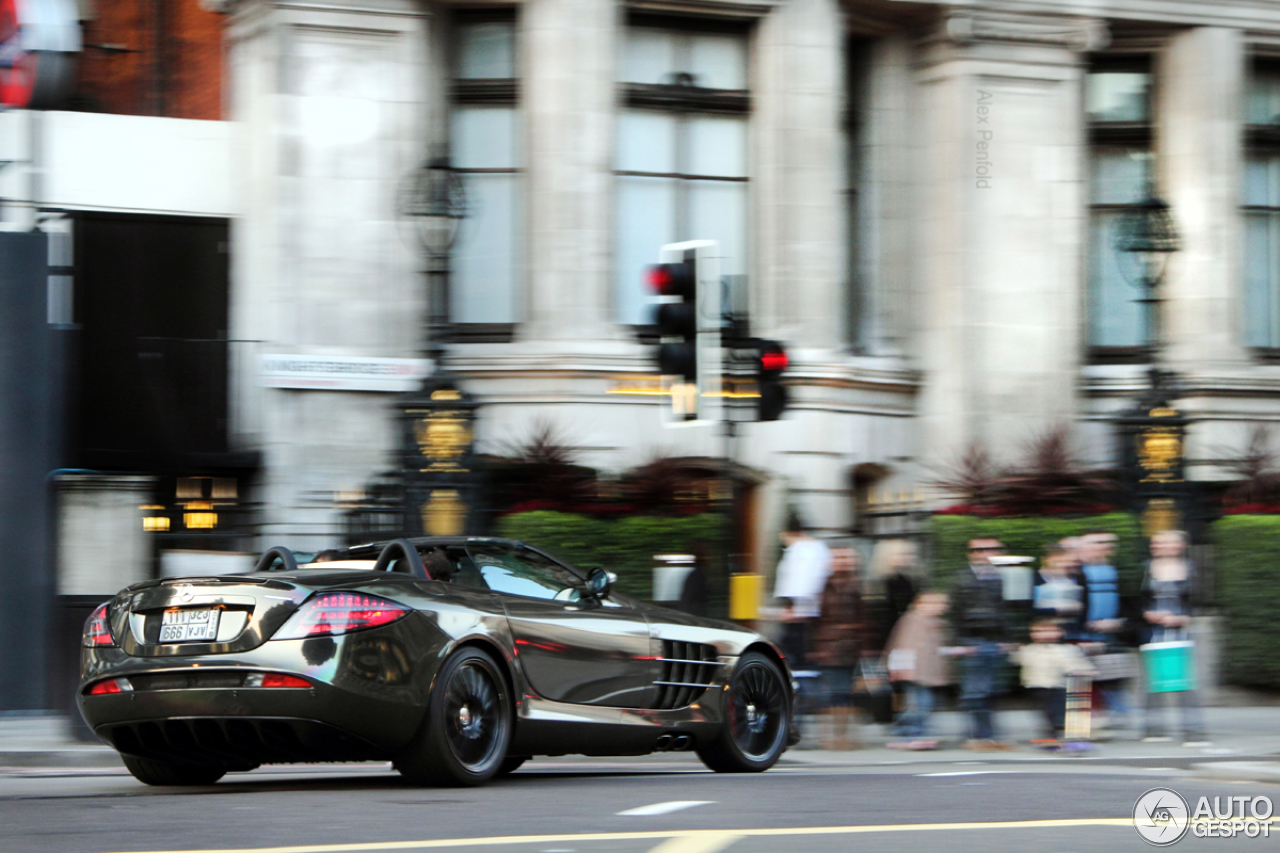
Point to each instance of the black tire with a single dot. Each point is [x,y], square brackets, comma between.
[511,764]
[465,736]
[757,719]
[151,772]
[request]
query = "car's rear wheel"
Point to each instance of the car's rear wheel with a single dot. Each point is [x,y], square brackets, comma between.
[151,772]
[757,717]
[465,737]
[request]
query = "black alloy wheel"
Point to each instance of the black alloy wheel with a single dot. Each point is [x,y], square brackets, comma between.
[757,718]
[468,725]
[471,715]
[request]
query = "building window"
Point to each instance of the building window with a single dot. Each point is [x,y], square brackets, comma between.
[1261,195]
[1118,106]
[485,147]
[681,155]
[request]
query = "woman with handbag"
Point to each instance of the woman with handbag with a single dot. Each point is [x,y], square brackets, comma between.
[1168,654]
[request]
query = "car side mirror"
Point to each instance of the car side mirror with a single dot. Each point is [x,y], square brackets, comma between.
[600,582]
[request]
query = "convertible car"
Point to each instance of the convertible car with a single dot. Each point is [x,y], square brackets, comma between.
[456,659]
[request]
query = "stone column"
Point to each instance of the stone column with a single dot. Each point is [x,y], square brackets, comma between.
[797,205]
[1001,130]
[567,100]
[328,96]
[1200,78]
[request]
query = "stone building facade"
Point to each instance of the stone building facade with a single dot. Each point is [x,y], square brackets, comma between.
[918,198]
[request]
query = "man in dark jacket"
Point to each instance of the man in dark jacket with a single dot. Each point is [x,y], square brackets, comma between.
[978,608]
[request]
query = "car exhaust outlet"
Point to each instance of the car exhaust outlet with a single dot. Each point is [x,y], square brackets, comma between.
[664,743]
[680,742]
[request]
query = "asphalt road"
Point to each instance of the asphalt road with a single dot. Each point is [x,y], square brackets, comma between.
[578,805]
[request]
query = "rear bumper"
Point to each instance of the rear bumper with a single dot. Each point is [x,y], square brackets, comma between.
[367,699]
[253,726]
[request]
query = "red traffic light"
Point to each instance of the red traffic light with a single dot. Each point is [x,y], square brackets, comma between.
[671,279]
[771,358]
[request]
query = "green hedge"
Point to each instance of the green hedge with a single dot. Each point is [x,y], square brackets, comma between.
[625,545]
[1245,561]
[1028,536]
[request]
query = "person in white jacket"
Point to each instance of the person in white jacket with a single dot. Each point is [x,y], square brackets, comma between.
[803,570]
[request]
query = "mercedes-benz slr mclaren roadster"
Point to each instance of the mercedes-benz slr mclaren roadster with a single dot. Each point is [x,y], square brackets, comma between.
[456,659]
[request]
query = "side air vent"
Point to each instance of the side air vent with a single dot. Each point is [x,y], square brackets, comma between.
[687,669]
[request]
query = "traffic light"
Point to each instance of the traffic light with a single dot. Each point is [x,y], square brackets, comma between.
[686,282]
[677,317]
[771,360]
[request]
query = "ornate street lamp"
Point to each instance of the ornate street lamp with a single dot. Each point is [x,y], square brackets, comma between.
[433,201]
[1152,434]
[1147,236]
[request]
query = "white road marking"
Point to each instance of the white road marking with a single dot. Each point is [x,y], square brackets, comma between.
[965,773]
[708,843]
[664,808]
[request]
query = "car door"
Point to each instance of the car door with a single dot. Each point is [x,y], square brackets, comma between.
[572,647]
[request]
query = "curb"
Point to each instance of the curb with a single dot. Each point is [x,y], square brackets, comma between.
[1240,771]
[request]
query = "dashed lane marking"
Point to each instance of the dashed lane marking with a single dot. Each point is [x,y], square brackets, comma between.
[664,808]
[494,841]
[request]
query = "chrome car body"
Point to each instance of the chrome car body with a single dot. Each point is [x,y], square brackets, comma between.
[587,670]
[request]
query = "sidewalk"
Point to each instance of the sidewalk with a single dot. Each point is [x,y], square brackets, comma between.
[1246,745]
[1251,733]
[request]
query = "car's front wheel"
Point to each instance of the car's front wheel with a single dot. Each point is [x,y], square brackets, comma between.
[152,772]
[465,737]
[757,717]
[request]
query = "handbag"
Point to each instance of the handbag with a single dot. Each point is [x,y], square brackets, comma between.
[1170,666]
[1114,664]
[872,691]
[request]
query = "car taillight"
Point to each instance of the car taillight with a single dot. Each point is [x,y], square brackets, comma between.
[97,630]
[275,679]
[340,613]
[110,685]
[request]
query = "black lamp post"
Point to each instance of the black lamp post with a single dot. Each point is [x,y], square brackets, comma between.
[1147,236]
[440,486]
[433,201]
[1153,432]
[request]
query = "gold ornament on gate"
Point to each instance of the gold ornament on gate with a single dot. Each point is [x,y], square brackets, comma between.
[444,513]
[1159,450]
[443,439]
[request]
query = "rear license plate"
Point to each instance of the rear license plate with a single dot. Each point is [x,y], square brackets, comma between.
[185,626]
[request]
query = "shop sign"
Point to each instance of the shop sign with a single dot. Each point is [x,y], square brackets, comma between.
[344,373]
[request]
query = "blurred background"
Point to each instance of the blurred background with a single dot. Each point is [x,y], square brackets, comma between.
[315,274]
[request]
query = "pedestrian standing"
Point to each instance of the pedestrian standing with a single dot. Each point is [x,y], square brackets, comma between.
[693,592]
[838,640]
[893,570]
[1103,615]
[1167,600]
[1046,662]
[1056,594]
[915,663]
[802,573]
[979,619]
